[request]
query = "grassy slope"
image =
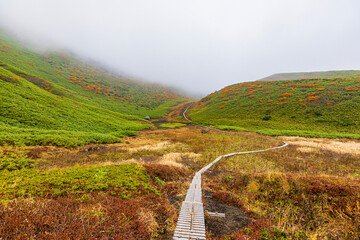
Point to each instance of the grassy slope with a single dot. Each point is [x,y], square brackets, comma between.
[57,99]
[314,107]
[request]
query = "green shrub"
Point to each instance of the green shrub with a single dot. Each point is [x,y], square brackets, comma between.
[266,118]
[13,159]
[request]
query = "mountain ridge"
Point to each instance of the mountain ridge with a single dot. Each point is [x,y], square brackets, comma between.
[312,75]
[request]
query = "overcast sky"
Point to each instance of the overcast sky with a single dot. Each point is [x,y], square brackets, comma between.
[197,45]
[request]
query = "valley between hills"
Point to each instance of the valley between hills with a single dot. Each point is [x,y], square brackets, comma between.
[78,159]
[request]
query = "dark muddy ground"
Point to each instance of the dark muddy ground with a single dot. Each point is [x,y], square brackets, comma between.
[234,219]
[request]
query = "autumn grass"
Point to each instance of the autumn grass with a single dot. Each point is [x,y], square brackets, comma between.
[340,146]
[121,201]
[288,192]
[93,216]
[304,194]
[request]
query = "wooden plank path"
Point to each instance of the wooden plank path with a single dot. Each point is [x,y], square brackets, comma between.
[191,221]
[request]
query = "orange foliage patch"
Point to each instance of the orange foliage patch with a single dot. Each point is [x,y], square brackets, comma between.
[352,89]
[310,85]
[286,94]
[312,98]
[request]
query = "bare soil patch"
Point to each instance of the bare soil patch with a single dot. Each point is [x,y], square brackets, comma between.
[234,219]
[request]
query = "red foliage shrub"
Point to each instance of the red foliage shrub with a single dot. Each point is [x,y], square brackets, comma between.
[95,217]
[36,152]
[166,172]
[228,198]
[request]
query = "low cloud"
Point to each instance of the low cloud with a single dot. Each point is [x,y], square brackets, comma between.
[196,45]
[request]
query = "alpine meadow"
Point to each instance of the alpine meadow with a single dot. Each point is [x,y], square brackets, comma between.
[182,120]
[60,100]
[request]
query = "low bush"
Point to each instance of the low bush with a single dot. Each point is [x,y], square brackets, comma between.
[14,159]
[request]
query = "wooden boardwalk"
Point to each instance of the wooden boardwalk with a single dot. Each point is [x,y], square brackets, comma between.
[191,222]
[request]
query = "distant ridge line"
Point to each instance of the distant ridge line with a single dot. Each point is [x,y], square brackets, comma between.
[312,75]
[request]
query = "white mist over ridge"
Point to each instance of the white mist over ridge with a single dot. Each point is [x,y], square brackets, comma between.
[196,45]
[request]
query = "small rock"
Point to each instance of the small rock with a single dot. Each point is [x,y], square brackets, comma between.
[165,139]
[94,148]
[205,130]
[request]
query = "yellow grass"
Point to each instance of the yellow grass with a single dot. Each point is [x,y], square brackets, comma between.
[317,144]
[152,147]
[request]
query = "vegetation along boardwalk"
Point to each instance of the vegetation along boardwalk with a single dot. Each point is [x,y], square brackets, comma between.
[191,223]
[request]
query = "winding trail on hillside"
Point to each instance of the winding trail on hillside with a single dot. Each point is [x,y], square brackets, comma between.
[191,222]
[186,111]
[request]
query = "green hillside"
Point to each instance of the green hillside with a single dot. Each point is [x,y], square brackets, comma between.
[314,107]
[312,75]
[60,100]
